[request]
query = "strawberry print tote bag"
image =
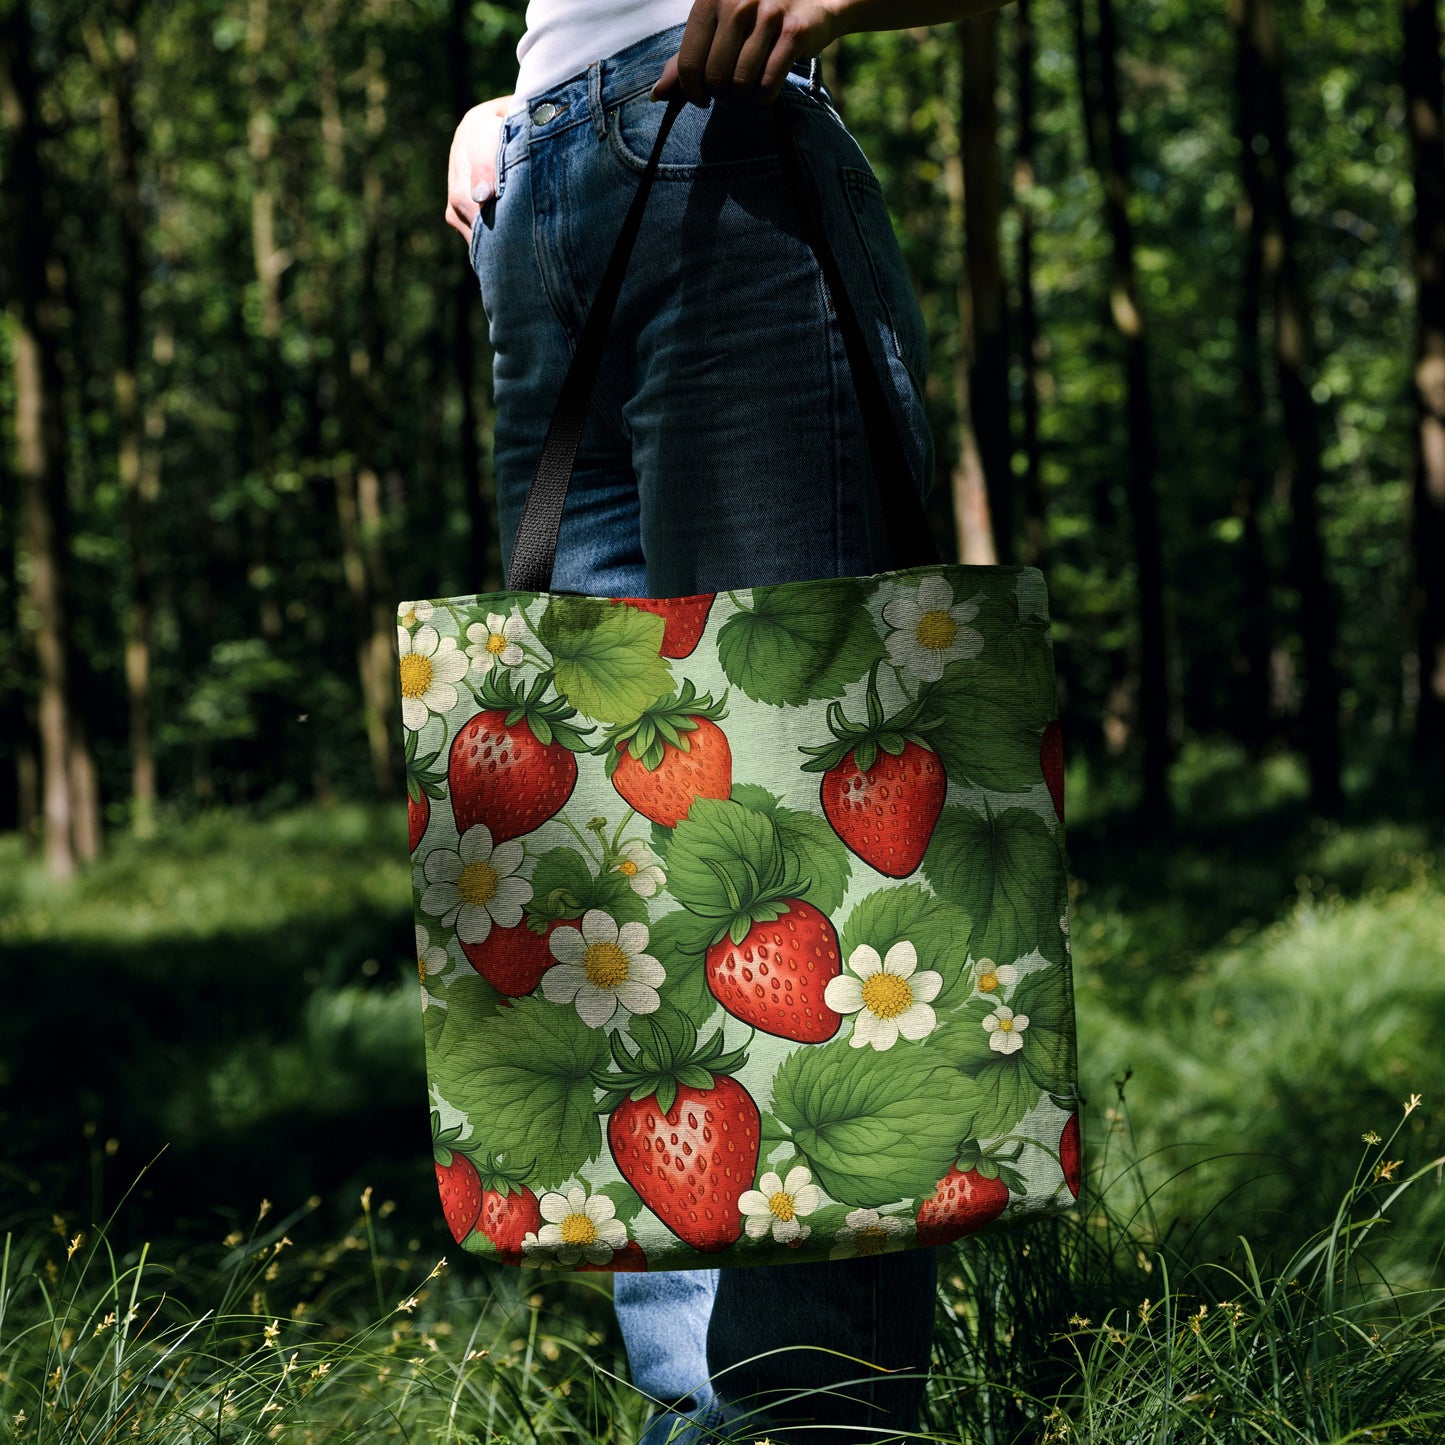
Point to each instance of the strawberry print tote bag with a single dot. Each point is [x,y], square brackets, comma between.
[741,919]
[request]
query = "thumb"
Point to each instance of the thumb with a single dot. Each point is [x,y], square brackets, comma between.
[667,86]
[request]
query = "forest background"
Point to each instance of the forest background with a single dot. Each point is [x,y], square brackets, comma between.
[1183,269]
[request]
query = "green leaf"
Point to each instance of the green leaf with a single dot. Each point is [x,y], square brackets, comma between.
[822,858]
[989,726]
[678,941]
[1048,1052]
[627,1200]
[939,932]
[605,659]
[800,642]
[874,1127]
[718,832]
[751,795]
[1007,1093]
[523,1077]
[1005,870]
[568,888]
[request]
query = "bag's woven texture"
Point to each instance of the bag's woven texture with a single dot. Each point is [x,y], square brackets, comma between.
[741,919]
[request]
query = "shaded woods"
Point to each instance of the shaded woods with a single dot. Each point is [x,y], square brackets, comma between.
[1184,275]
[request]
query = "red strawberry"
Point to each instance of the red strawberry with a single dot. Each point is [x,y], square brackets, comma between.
[423,783]
[460,1189]
[513,960]
[628,1260]
[1051,759]
[886,813]
[418,815]
[883,785]
[512,766]
[508,1211]
[672,755]
[775,977]
[1070,1155]
[684,619]
[690,1150]
[962,1202]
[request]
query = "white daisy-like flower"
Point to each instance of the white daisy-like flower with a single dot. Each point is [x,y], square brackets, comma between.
[472,888]
[578,1229]
[776,1204]
[430,961]
[496,642]
[888,995]
[866,1231]
[602,969]
[430,664]
[1005,1030]
[410,613]
[931,630]
[989,977]
[641,867]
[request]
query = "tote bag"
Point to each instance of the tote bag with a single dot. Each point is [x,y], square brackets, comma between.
[741,919]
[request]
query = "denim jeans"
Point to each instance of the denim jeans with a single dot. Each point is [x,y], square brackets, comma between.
[724,449]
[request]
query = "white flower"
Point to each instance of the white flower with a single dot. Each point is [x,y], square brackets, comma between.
[931,630]
[888,996]
[639,866]
[1005,1030]
[410,613]
[776,1205]
[473,888]
[578,1230]
[496,642]
[989,977]
[602,968]
[865,1231]
[430,664]
[429,962]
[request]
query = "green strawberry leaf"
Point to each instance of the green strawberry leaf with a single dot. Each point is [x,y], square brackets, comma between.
[678,941]
[627,1200]
[1048,1052]
[1006,871]
[800,642]
[989,722]
[1007,1094]
[605,659]
[751,795]
[564,886]
[661,839]
[822,858]
[524,1079]
[718,840]
[939,932]
[471,1003]
[874,1127]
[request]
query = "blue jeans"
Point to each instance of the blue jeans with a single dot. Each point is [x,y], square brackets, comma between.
[724,449]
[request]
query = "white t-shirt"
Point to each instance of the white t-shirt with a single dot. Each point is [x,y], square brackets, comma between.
[564,37]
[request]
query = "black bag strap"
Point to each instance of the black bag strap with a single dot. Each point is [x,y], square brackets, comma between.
[534,554]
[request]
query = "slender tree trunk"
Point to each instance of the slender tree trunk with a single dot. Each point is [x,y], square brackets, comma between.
[1424,115]
[1300,465]
[1108,152]
[989,369]
[1251,717]
[40,464]
[1030,343]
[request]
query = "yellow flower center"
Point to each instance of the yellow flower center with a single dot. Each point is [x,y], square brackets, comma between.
[886,995]
[871,1239]
[578,1229]
[987,982]
[605,965]
[781,1204]
[627,868]
[936,630]
[496,643]
[477,884]
[421,970]
[1005,1026]
[408,618]
[416,673]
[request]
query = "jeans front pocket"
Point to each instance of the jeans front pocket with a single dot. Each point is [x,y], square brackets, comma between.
[730,137]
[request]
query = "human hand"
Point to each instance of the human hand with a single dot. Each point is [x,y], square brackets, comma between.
[472,165]
[745,47]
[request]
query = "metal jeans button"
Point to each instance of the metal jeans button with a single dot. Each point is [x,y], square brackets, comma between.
[544,113]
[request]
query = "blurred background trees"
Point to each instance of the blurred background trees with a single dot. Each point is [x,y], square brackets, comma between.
[1181,265]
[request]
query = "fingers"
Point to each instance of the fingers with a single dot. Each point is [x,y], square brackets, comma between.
[472,163]
[693,52]
[741,48]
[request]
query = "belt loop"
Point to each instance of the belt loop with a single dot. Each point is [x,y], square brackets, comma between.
[594,99]
[815,75]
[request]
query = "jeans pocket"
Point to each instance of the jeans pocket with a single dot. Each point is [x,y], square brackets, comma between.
[730,137]
[890,274]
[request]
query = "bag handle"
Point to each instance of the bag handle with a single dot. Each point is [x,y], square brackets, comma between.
[534,554]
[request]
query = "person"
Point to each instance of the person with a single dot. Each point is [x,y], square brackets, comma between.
[723,449]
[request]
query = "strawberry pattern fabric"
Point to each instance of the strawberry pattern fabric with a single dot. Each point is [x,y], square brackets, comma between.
[742,918]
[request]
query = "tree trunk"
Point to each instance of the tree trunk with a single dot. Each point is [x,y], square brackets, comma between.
[1424,110]
[70,822]
[1108,152]
[1300,465]
[1030,343]
[989,368]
